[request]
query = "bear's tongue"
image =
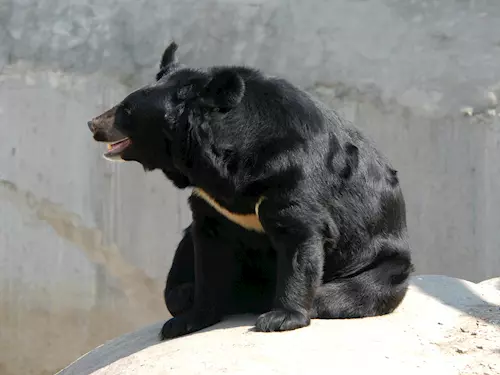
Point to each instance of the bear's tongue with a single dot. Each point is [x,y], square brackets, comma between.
[117,147]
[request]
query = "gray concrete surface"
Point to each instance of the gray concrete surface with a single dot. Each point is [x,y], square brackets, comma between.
[444,326]
[85,245]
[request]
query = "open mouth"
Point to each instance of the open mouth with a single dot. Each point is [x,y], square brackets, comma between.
[116,148]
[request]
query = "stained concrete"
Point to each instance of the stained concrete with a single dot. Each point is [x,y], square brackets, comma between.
[85,245]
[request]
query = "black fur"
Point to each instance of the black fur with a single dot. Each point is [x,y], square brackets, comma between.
[335,242]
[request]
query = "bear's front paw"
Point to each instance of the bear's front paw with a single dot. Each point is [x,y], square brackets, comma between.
[281,320]
[184,324]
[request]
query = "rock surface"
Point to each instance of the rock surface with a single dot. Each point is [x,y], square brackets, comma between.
[445,326]
[493,283]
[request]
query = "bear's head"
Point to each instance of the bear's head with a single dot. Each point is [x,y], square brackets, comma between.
[159,124]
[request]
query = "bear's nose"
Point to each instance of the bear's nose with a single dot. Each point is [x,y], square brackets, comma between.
[91,126]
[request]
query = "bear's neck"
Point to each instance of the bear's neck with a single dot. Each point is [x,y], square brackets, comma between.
[248,221]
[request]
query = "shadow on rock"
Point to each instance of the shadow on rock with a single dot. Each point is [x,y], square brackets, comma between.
[135,342]
[463,295]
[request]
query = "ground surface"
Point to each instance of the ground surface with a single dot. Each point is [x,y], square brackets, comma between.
[445,326]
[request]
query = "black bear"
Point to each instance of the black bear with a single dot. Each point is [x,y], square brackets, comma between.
[296,215]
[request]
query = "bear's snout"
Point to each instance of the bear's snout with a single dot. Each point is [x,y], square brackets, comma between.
[103,127]
[91,126]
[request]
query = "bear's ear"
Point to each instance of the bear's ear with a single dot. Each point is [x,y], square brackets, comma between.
[224,90]
[168,60]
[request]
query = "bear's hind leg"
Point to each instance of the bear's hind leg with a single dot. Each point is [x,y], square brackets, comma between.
[377,290]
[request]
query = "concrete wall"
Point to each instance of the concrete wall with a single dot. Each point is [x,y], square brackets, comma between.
[85,245]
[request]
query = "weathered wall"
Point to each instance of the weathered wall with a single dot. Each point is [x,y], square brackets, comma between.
[85,245]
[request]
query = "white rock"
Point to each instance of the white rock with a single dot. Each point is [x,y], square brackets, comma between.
[445,326]
[494,283]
